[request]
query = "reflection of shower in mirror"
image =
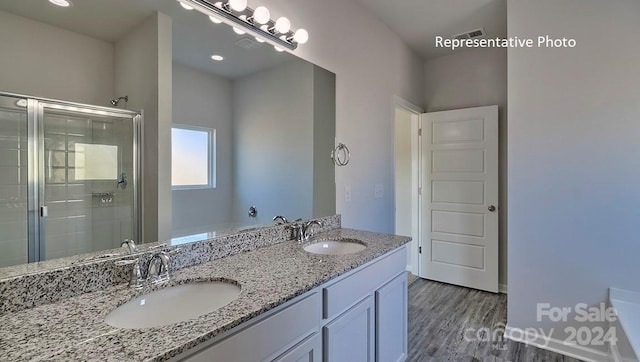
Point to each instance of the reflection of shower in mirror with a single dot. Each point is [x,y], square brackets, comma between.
[114,102]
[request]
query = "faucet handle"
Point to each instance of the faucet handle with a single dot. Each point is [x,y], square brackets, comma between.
[135,280]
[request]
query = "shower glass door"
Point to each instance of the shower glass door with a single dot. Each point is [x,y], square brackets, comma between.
[68,178]
[14,233]
[87,194]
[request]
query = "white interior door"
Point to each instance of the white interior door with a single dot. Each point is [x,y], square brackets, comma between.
[459,216]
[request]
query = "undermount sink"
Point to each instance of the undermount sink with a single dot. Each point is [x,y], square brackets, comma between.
[336,247]
[174,304]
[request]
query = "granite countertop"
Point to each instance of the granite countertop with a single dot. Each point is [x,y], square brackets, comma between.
[74,329]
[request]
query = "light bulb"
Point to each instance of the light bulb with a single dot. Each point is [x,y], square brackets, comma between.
[259,40]
[238,5]
[238,31]
[215,20]
[186,6]
[63,3]
[283,25]
[301,36]
[218,4]
[217,58]
[278,49]
[261,15]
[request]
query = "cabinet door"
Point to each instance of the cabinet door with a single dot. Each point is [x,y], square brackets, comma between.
[309,350]
[350,337]
[391,320]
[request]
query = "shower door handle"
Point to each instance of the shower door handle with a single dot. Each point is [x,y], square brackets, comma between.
[44,211]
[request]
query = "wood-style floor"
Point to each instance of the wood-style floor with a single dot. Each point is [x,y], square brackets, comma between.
[440,315]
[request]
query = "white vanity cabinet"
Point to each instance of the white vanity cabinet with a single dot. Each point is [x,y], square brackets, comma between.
[359,316]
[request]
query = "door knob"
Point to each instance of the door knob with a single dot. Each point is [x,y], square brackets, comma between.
[492,208]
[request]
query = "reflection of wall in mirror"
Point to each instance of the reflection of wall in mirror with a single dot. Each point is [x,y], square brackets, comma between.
[46,61]
[274,129]
[204,100]
[273,142]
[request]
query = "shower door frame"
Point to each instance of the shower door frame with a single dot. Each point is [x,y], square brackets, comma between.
[36,197]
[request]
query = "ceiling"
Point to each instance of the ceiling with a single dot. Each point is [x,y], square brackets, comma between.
[195,38]
[418,22]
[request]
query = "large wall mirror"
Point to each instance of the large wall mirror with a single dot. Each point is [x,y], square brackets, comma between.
[84,92]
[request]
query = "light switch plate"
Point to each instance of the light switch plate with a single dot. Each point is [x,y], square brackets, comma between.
[378,191]
[347,193]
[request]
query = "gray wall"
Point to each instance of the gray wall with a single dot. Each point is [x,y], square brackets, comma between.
[574,136]
[42,60]
[203,99]
[273,110]
[141,73]
[473,79]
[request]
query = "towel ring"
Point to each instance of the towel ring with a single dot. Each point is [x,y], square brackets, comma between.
[340,155]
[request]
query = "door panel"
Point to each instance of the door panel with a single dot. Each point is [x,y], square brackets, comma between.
[457,161]
[391,320]
[460,178]
[13,181]
[350,337]
[457,192]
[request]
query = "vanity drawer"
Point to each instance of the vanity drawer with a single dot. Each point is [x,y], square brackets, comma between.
[268,338]
[344,293]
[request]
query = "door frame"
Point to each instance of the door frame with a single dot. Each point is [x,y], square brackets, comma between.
[416,111]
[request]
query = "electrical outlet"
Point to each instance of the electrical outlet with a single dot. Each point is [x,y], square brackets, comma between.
[378,191]
[347,193]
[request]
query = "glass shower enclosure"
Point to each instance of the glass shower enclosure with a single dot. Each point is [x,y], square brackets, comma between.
[68,178]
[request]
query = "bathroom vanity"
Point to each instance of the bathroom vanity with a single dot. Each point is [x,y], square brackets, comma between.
[359,316]
[293,305]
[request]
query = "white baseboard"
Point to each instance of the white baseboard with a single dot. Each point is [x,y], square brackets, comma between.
[555,345]
[502,288]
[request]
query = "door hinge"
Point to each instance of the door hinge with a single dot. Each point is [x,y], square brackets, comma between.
[419,249]
[419,131]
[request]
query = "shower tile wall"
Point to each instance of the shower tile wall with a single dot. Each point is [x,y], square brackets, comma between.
[13,185]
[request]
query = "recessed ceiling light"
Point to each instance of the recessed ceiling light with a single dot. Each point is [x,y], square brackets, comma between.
[63,3]
[217,58]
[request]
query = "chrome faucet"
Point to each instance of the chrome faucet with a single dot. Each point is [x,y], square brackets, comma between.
[135,280]
[280,220]
[306,231]
[130,245]
[158,271]
[303,231]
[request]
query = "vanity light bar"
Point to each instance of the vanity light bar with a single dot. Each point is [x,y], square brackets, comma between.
[237,19]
